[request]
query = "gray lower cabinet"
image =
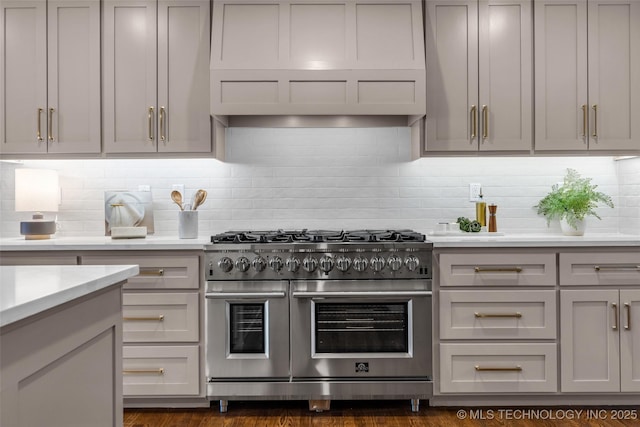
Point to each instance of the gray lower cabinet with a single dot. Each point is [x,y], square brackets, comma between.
[162,321]
[497,322]
[600,321]
[62,366]
[162,309]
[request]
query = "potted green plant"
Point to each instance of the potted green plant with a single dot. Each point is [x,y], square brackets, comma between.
[571,202]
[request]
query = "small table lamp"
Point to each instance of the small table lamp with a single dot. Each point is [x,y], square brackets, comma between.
[37,190]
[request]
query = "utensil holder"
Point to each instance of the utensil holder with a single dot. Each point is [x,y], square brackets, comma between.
[188,224]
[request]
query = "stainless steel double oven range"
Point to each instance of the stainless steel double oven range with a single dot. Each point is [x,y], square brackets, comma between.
[318,315]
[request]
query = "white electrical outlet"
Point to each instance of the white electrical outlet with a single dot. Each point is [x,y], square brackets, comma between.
[178,187]
[144,187]
[474,192]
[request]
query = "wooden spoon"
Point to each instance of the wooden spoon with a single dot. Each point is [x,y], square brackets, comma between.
[177,198]
[199,198]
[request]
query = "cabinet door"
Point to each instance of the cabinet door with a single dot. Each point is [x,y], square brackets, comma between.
[589,344]
[505,75]
[630,340]
[452,75]
[129,70]
[73,76]
[561,104]
[183,76]
[614,74]
[23,77]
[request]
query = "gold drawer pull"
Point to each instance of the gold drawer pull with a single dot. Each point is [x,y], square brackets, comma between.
[615,316]
[616,267]
[498,270]
[159,272]
[159,371]
[158,318]
[517,315]
[38,127]
[627,307]
[499,369]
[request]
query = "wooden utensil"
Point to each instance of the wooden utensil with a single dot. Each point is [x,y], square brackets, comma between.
[176,196]
[199,198]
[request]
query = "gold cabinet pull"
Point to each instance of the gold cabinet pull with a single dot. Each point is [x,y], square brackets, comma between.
[627,308]
[585,119]
[38,127]
[615,267]
[499,369]
[474,121]
[516,315]
[498,270]
[162,126]
[150,118]
[595,120]
[158,318]
[50,124]
[159,272]
[159,371]
[615,316]
[485,122]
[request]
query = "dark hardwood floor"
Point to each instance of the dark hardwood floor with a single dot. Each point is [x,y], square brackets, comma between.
[378,414]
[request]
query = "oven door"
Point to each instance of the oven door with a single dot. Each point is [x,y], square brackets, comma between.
[360,328]
[247,328]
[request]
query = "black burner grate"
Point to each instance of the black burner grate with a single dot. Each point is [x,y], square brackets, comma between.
[304,235]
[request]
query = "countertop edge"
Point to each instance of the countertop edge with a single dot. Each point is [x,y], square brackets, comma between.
[114,275]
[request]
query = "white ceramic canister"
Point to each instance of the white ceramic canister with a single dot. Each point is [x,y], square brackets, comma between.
[188,224]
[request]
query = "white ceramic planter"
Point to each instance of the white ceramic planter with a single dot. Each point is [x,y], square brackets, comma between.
[568,230]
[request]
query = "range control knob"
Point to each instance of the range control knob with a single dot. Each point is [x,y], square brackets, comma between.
[411,262]
[326,263]
[394,262]
[243,264]
[276,263]
[377,263]
[293,264]
[343,263]
[259,263]
[310,264]
[360,263]
[225,264]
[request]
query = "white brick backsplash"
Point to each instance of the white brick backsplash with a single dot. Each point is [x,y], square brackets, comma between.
[329,178]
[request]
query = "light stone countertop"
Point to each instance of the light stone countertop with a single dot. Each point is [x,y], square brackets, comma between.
[486,240]
[462,240]
[29,290]
[101,243]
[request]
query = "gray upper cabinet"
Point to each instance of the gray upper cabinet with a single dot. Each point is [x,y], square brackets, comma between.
[479,76]
[156,76]
[50,77]
[587,75]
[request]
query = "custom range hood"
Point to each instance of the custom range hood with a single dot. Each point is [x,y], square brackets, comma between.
[317,63]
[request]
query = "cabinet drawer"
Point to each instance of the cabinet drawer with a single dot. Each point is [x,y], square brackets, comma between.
[611,268]
[497,314]
[37,258]
[154,370]
[156,271]
[509,269]
[160,317]
[504,368]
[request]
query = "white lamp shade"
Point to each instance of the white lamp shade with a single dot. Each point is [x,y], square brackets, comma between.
[37,190]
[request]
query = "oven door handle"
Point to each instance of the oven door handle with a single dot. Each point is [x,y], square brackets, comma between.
[320,294]
[228,295]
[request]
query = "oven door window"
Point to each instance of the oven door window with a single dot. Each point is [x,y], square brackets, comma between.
[361,327]
[247,332]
